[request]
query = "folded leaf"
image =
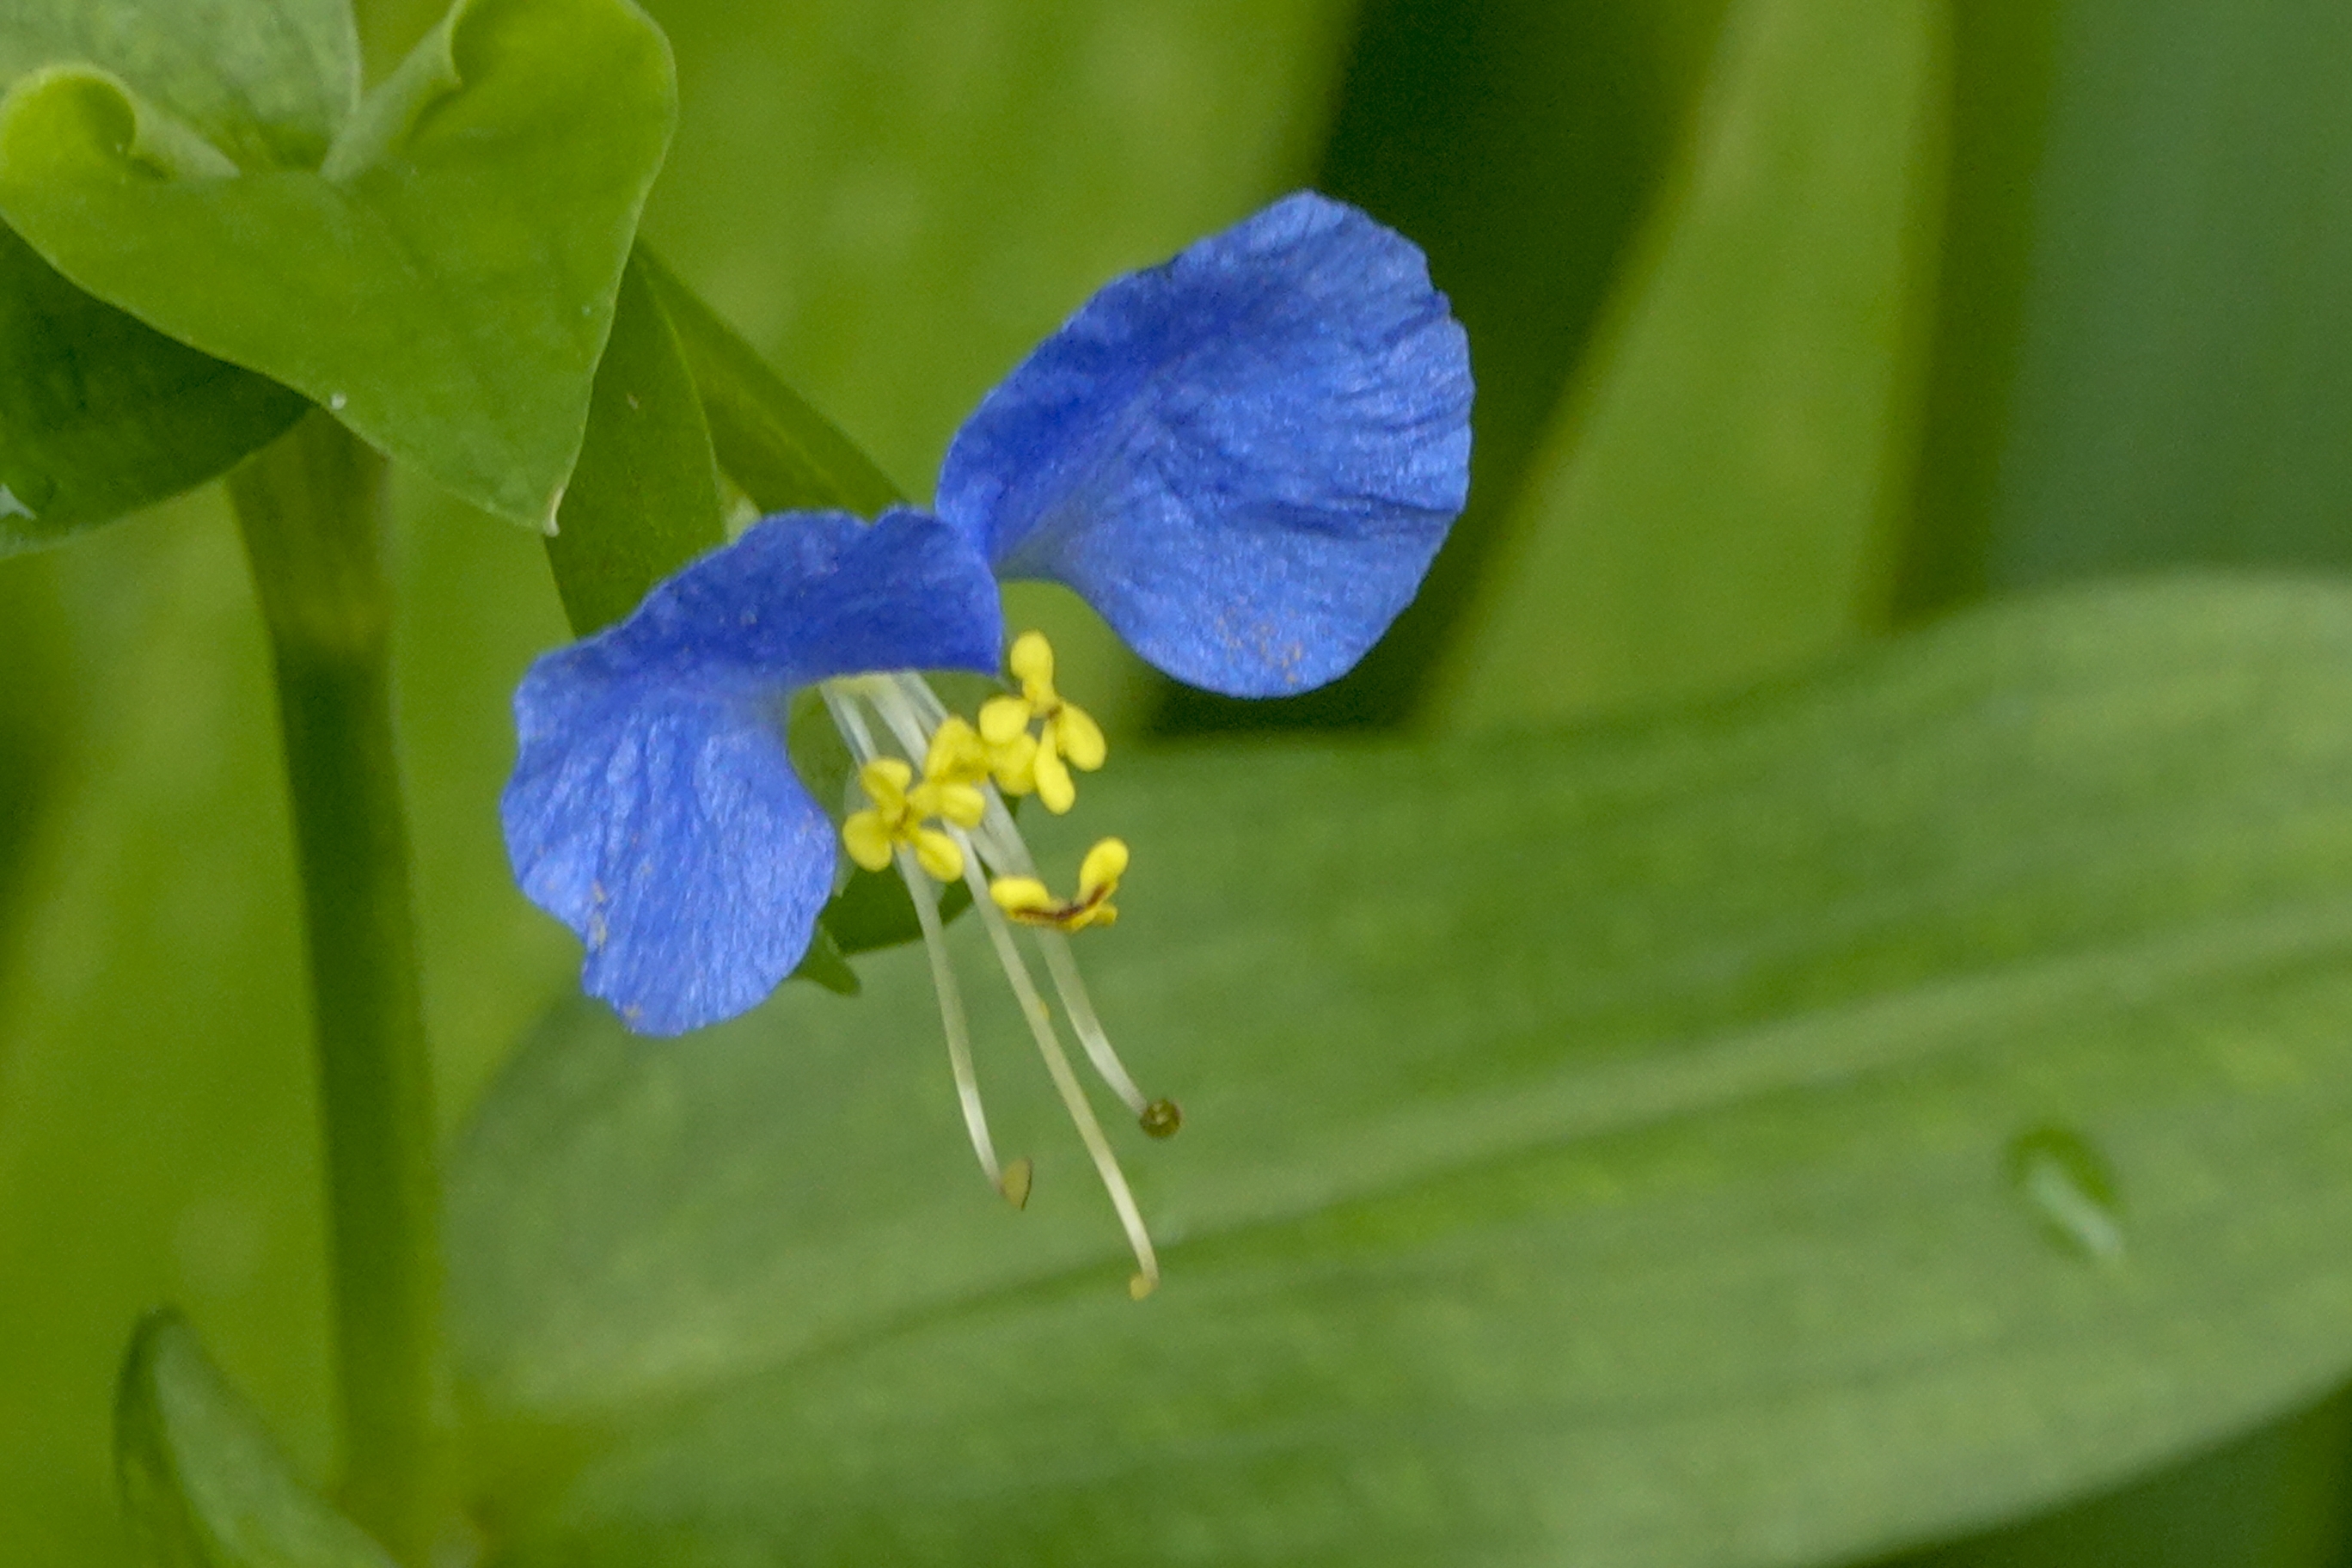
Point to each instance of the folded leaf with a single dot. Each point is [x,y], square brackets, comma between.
[203,1483]
[101,415]
[784,454]
[644,500]
[444,285]
[1764,1135]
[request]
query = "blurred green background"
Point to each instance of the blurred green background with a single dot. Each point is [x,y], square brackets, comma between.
[1796,322]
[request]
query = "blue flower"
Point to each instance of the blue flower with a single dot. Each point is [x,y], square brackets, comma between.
[1244,460]
[653,809]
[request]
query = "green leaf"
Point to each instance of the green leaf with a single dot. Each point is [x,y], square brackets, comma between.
[444,285]
[203,1483]
[644,500]
[267,82]
[1711,505]
[827,966]
[1602,1151]
[1523,145]
[2143,348]
[782,452]
[101,415]
[2270,1500]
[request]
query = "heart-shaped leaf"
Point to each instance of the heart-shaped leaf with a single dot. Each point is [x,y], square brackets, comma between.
[267,82]
[204,1484]
[1824,1120]
[100,415]
[442,283]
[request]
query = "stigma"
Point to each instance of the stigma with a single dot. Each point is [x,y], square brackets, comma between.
[935,785]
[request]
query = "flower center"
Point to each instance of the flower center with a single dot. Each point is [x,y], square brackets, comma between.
[949,823]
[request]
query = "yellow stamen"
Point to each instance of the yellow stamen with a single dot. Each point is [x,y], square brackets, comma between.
[1004,720]
[1052,779]
[1014,764]
[960,803]
[885,782]
[1020,897]
[938,854]
[1100,872]
[942,821]
[867,840]
[898,813]
[1079,738]
[1026,899]
[1066,735]
[957,754]
[869,835]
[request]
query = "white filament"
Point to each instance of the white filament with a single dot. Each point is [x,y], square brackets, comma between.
[912,712]
[952,1021]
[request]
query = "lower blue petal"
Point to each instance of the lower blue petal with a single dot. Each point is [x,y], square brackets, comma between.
[667,829]
[1244,460]
[653,808]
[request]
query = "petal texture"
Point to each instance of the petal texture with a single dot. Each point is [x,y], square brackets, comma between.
[653,808]
[1244,458]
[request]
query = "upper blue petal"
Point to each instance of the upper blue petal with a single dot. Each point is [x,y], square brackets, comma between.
[1244,458]
[653,808]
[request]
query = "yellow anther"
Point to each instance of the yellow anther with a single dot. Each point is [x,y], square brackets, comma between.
[1015,765]
[885,782]
[1051,778]
[872,835]
[1031,661]
[960,803]
[867,840]
[954,765]
[936,853]
[1026,899]
[1023,897]
[1066,736]
[1079,738]
[1100,872]
[1003,721]
[957,754]
[1010,749]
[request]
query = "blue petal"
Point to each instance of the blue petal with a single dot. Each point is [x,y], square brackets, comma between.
[653,808]
[806,595]
[1244,460]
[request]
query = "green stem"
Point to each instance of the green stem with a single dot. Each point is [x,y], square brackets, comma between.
[312,510]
